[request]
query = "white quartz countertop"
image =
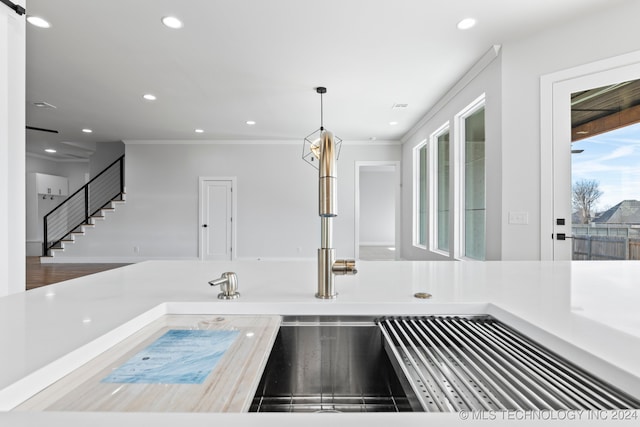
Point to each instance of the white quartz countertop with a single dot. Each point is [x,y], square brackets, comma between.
[586,311]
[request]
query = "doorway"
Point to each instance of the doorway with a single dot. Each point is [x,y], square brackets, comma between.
[216,228]
[558,92]
[377,210]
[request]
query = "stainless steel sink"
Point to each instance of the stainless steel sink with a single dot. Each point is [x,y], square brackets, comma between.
[330,364]
[434,363]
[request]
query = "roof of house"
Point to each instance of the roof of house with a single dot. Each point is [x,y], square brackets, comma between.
[625,212]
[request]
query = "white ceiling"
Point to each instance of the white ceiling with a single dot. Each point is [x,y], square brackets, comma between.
[239,60]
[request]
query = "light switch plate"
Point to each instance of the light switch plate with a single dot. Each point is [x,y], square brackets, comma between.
[519,218]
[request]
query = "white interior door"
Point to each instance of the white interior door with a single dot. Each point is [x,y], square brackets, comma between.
[216,219]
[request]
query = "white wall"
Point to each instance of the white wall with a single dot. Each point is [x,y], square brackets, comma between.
[12,148]
[75,171]
[581,41]
[483,78]
[277,200]
[377,206]
[105,154]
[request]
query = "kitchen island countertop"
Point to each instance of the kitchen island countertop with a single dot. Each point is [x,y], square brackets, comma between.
[586,311]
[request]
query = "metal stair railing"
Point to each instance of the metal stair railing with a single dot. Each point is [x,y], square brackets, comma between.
[78,208]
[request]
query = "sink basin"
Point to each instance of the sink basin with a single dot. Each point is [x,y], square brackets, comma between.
[429,363]
[331,364]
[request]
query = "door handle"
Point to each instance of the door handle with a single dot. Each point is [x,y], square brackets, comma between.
[204,225]
[562,236]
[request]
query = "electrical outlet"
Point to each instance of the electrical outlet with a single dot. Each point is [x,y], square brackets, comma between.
[519,218]
[136,249]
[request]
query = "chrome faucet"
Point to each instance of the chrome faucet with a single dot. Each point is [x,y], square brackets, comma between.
[328,266]
[228,285]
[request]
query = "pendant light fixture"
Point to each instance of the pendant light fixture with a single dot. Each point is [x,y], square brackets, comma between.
[321,149]
[311,143]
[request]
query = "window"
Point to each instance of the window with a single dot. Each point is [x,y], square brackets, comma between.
[472,215]
[450,195]
[421,187]
[440,190]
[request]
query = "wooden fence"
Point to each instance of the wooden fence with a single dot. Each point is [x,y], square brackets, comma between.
[634,249]
[605,248]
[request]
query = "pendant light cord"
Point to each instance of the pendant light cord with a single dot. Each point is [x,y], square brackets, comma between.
[321,90]
[321,114]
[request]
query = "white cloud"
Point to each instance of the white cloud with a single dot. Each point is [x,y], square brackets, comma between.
[624,151]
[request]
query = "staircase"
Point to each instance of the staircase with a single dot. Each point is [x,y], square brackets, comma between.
[83,209]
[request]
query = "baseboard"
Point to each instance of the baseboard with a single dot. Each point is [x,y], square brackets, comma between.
[386,244]
[274,259]
[109,260]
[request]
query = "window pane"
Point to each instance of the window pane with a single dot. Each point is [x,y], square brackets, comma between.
[422,197]
[475,208]
[443,192]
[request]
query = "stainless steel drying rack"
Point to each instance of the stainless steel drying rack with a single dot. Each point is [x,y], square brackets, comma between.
[477,363]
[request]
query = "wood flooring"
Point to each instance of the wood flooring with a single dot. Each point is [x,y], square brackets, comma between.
[45,274]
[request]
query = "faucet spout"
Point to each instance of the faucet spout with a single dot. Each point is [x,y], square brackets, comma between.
[328,266]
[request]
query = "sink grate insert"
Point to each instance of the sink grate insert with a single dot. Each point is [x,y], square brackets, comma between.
[478,363]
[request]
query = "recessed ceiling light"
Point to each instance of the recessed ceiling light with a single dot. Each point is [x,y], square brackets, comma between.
[50,150]
[38,22]
[393,123]
[87,130]
[42,104]
[199,130]
[250,122]
[149,97]
[172,22]
[466,23]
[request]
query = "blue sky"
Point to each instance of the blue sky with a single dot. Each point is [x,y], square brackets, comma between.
[612,159]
